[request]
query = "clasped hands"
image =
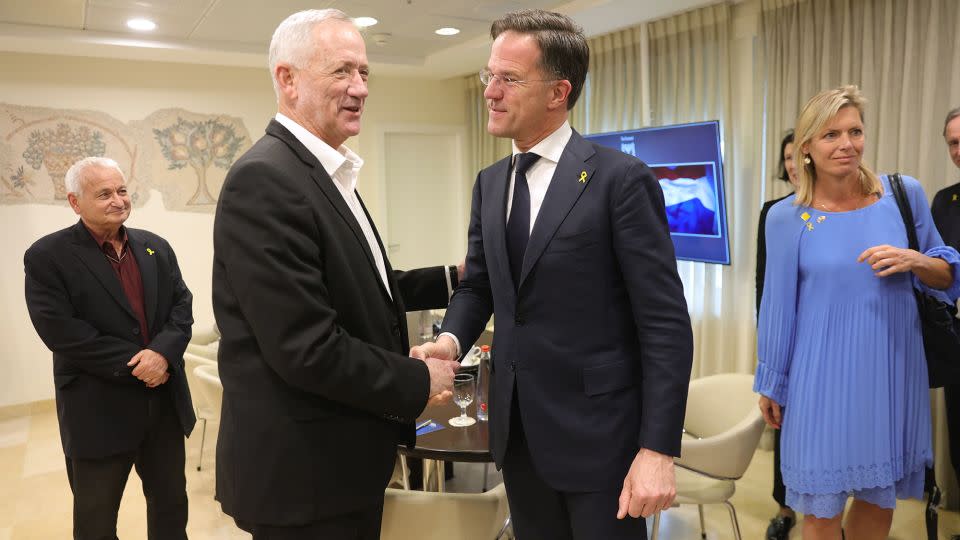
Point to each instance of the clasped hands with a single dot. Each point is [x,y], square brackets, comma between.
[151,367]
[441,359]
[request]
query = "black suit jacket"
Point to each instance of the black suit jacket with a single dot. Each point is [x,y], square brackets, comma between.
[595,342]
[946,214]
[318,390]
[79,309]
[762,247]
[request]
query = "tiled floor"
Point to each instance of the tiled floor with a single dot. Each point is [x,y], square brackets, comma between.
[35,499]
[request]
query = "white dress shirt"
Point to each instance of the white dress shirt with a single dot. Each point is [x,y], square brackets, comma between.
[541,172]
[343,166]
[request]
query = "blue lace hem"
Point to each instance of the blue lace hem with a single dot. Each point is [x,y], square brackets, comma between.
[828,505]
[854,478]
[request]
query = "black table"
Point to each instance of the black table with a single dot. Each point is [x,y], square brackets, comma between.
[469,444]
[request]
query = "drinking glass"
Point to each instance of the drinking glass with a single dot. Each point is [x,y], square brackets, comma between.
[464,388]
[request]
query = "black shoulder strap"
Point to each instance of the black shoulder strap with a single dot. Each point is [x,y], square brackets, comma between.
[900,194]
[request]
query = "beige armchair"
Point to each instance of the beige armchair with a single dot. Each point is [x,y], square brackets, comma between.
[206,390]
[722,429]
[443,516]
[208,351]
[205,334]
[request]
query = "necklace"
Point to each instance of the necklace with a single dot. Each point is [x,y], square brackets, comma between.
[864,201]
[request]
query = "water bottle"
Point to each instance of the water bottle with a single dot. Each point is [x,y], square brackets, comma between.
[483,375]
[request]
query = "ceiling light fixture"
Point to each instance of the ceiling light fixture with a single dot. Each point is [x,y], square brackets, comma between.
[447,31]
[364,22]
[141,25]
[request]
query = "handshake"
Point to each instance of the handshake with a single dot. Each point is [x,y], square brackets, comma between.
[441,360]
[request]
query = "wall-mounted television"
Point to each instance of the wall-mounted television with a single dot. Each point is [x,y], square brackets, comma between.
[687,161]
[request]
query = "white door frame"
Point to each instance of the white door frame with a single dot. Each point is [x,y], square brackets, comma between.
[459,134]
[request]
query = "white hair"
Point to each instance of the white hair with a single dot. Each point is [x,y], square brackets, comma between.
[76,177]
[292,40]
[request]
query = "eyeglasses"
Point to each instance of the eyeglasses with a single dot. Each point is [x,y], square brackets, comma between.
[487,77]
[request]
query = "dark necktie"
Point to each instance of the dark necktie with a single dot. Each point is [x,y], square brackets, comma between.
[518,225]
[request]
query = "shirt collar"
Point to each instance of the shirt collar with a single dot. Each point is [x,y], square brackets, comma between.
[101,241]
[551,147]
[331,160]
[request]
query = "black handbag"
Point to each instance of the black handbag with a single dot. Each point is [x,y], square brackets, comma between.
[941,329]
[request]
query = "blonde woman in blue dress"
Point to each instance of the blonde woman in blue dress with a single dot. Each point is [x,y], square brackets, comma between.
[839,335]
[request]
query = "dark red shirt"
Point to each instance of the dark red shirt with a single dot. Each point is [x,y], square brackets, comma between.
[128,272]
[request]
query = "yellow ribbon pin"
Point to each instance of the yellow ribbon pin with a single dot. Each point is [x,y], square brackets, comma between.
[583,177]
[150,251]
[954,196]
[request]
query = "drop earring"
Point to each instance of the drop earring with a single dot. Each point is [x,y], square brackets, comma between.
[806,160]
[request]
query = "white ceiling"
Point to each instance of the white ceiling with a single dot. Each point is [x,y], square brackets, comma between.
[237,32]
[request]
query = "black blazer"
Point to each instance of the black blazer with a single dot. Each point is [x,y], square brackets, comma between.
[762,247]
[946,214]
[318,388]
[79,309]
[596,345]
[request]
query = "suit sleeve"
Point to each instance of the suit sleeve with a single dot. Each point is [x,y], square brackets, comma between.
[175,333]
[644,250]
[423,288]
[82,347]
[472,303]
[268,239]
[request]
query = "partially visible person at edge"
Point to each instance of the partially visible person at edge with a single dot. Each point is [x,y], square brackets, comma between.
[786,518]
[839,335]
[946,215]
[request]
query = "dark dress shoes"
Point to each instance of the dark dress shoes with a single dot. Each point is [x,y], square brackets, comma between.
[779,528]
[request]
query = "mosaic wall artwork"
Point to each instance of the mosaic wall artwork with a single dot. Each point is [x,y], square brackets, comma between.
[181,154]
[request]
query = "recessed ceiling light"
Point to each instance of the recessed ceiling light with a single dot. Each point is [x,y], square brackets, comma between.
[142,25]
[447,31]
[364,22]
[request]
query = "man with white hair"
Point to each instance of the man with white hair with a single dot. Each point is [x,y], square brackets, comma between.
[317,388]
[110,302]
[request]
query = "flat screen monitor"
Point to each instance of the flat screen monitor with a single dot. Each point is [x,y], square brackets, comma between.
[687,161]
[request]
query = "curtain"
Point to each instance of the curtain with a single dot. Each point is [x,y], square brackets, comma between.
[690,81]
[615,97]
[905,56]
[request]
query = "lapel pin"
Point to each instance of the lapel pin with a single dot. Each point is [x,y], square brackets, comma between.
[583,177]
[821,219]
[804,216]
[809,226]
[954,196]
[150,251]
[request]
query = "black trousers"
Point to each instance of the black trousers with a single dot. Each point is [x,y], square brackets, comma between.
[98,484]
[951,394]
[540,512]
[360,525]
[779,490]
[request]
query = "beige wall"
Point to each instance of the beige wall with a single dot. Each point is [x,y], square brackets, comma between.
[130,91]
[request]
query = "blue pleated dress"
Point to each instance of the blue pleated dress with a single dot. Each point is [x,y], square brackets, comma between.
[841,349]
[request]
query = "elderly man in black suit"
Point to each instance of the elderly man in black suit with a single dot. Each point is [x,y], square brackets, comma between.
[109,301]
[568,247]
[318,390]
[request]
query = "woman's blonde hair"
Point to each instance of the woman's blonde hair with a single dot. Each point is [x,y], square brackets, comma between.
[815,114]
